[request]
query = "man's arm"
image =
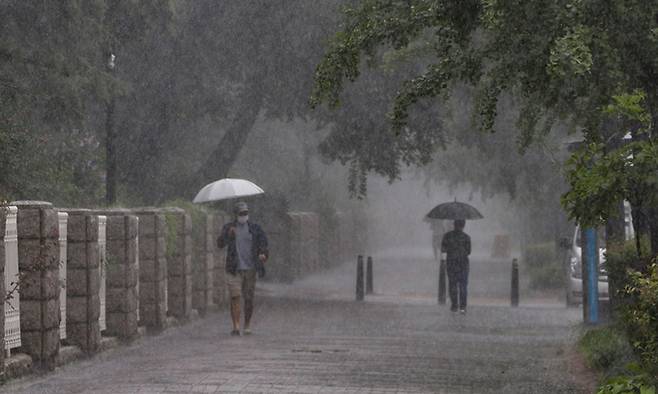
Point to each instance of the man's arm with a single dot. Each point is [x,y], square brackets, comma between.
[225,236]
[262,243]
[468,245]
[444,243]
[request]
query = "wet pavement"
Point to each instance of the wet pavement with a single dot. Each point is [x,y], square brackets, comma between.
[311,337]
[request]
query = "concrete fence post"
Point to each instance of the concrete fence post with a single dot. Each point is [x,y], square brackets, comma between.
[38,259]
[83,280]
[152,268]
[203,262]
[179,262]
[9,256]
[63,218]
[102,270]
[3,225]
[219,291]
[122,267]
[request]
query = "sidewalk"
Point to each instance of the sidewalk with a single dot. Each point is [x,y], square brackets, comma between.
[306,343]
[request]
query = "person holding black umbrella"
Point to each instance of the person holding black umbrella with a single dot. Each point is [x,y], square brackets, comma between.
[456,244]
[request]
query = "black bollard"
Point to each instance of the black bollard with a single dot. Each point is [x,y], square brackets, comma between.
[515,283]
[369,276]
[442,282]
[359,278]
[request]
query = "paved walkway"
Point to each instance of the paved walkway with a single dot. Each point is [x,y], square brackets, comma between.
[309,339]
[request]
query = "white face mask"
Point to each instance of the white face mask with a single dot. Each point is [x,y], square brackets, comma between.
[243,219]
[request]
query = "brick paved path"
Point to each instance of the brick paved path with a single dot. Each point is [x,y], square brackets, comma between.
[307,343]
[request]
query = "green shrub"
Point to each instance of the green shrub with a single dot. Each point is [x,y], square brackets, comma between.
[606,349]
[618,260]
[641,315]
[634,384]
[543,266]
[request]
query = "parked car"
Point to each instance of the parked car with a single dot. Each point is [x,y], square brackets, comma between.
[573,261]
[574,269]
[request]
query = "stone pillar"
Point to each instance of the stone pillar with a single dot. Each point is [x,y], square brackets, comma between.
[38,259]
[203,262]
[9,254]
[63,219]
[83,280]
[122,274]
[179,262]
[220,295]
[102,285]
[152,268]
[3,222]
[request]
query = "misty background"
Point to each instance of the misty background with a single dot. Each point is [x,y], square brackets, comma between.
[197,91]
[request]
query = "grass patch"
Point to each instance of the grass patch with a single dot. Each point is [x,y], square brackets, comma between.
[606,350]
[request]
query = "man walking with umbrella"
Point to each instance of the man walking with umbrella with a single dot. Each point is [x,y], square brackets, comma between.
[456,244]
[246,254]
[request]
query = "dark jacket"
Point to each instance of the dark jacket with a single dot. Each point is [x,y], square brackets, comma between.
[259,246]
[456,245]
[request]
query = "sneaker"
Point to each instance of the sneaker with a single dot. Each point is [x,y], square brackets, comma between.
[452,309]
[462,311]
[235,333]
[246,331]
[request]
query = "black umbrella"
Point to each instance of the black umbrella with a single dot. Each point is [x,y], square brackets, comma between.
[454,211]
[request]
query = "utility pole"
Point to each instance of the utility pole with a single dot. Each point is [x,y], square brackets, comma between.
[590,275]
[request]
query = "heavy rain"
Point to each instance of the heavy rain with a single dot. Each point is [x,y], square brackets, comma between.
[337,196]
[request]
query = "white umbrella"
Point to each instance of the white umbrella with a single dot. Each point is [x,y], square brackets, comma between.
[227,188]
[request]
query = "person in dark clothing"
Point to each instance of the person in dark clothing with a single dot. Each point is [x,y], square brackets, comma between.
[246,253]
[457,246]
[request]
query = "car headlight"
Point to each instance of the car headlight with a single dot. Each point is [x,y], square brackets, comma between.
[576,268]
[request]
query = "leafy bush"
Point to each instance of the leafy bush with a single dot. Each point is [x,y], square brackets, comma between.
[618,260]
[543,266]
[606,349]
[641,315]
[638,382]
[636,281]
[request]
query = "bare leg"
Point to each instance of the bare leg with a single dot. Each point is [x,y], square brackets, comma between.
[248,311]
[235,312]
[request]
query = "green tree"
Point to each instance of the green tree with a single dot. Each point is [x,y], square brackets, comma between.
[564,61]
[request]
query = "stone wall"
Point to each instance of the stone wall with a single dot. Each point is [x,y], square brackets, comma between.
[179,262]
[152,268]
[83,281]
[38,256]
[123,273]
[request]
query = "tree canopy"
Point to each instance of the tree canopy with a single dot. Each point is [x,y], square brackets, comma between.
[563,60]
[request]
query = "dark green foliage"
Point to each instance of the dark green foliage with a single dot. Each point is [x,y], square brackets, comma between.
[563,61]
[606,349]
[544,267]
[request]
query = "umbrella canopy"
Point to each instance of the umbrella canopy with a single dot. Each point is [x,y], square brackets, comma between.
[227,188]
[454,211]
